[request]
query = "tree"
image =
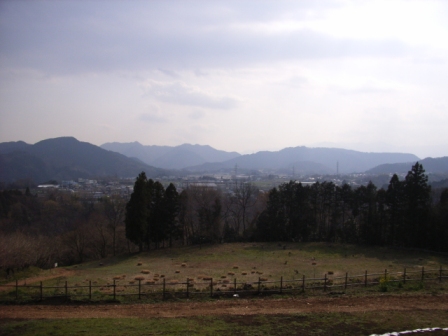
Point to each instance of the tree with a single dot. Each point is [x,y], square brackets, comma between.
[395,210]
[418,206]
[114,210]
[171,210]
[245,197]
[137,212]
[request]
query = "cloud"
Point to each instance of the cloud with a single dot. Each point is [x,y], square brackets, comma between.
[77,37]
[181,94]
[153,116]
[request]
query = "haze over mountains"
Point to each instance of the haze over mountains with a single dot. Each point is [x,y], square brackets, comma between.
[67,158]
[303,160]
[167,157]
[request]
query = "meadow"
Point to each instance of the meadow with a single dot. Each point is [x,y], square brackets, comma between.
[246,262]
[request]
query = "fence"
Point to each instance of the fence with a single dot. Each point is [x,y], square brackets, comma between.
[214,288]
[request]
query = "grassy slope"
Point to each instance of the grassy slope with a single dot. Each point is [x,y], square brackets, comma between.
[271,260]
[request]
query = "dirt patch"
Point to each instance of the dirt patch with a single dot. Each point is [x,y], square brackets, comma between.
[229,307]
[54,273]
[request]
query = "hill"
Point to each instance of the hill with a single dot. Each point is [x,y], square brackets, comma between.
[431,166]
[326,159]
[66,158]
[167,157]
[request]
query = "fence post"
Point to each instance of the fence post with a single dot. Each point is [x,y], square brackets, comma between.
[66,291]
[41,292]
[325,282]
[404,276]
[303,283]
[115,286]
[17,289]
[440,274]
[234,285]
[90,290]
[365,279]
[259,283]
[423,273]
[163,289]
[211,287]
[346,279]
[139,289]
[188,293]
[281,284]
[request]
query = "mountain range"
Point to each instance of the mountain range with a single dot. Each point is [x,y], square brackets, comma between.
[302,160]
[431,166]
[66,158]
[167,157]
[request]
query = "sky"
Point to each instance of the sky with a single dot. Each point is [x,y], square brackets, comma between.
[239,76]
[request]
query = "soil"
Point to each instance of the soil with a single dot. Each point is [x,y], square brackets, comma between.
[235,306]
[54,273]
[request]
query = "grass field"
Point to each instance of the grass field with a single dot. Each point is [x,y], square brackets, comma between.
[294,324]
[247,262]
[244,263]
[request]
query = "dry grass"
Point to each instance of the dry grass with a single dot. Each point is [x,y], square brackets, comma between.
[223,261]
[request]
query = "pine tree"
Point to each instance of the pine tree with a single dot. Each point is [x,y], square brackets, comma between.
[418,206]
[171,210]
[136,212]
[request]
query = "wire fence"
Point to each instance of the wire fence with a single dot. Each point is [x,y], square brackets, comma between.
[207,286]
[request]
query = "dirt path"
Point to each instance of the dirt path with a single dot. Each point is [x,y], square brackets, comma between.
[53,273]
[229,307]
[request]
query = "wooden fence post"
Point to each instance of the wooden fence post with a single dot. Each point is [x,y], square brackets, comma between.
[325,282]
[303,283]
[346,279]
[281,284]
[115,286]
[41,291]
[139,289]
[365,279]
[163,289]
[90,290]
[211,287]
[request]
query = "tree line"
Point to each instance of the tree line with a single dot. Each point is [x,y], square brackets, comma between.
[68,229]
[405,214]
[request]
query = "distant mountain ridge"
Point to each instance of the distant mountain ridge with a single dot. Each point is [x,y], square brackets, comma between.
[330,160]
[168,157]
[431,165]
[66,158]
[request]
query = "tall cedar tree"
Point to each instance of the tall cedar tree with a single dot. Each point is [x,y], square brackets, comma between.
[137,212]
[418,206]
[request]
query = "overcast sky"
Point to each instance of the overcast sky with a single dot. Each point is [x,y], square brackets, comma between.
[237,75]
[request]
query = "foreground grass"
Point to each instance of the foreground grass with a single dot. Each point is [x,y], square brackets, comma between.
[296,324]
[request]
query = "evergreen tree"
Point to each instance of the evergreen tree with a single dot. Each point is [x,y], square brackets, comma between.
[136,212]
[171,210]
[395,211]
[418,206]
